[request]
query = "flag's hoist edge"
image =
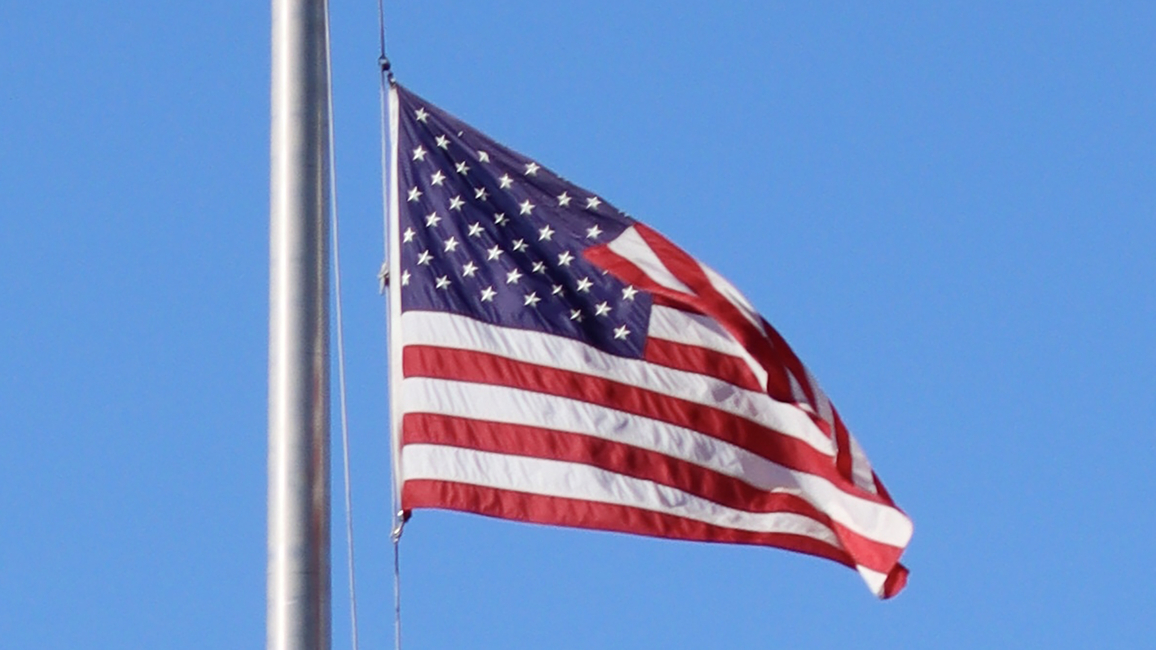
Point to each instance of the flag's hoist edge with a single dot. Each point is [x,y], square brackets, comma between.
[710,429]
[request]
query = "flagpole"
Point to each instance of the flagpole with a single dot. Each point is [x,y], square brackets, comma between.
[298,582]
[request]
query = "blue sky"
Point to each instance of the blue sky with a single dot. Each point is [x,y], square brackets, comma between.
[947,208]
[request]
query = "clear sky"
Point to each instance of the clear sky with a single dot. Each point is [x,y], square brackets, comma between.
[948,208]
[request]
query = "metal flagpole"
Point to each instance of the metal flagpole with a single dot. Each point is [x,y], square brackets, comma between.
[297,589]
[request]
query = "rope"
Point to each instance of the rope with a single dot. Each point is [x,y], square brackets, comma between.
[397,585]
[340,343]
[381,26]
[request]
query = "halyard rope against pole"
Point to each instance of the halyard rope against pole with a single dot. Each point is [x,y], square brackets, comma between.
[340,347]
[381,40]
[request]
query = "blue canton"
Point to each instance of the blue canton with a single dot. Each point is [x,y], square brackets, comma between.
[490,234]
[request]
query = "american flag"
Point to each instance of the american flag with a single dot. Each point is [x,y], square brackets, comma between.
[556,361]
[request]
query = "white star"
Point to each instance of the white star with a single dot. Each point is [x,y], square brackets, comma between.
[576,315]
[475,230]
[557,289]
[456,203]
[419,153]
[414,194]
[628,292]
[601,309]
[420,114]
[501,218]
[424,258]
[442,142]
[432,219]
[532,169]
[545,233]
[563,199]
[407,236]
[488,294]
[584,285]
[462,167]
[621,332]
[480,194]
[443,282]
[469,269]
[593,202]
[565,258]
[404,278]
[493,253]
[593,231]
[451,244]
[526,206]
[539,267]
[483,156]
[532,299]
[506,181]
[438,178]
[513,276]
[520,245]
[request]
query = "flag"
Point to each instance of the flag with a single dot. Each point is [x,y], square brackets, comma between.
[556,361]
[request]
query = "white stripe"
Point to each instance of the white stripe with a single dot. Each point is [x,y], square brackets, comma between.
[631,246]
[529,408]
[575,481]
[874,579]
[822,403]
[861,471]
[797,392]
[460,332]
[679,326]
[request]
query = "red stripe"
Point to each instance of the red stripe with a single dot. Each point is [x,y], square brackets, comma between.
[663,301]
[576,513]
[896,581]
[635,462]
[883,491]
[700,360]
[483,368]
[843,460]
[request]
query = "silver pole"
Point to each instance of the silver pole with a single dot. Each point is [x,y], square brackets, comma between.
[297,589]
